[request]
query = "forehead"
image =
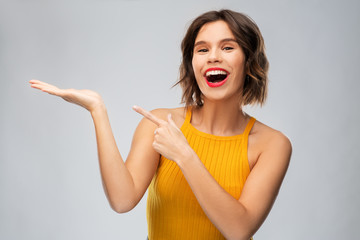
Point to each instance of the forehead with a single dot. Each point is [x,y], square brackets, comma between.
[214,31]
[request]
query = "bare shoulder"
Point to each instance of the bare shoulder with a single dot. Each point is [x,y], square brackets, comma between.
[178,114]
[269,137]
[264,140]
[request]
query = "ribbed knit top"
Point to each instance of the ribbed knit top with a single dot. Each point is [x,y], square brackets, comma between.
[172,209]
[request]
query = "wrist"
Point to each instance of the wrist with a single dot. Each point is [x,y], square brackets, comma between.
[187,156]
[98,109]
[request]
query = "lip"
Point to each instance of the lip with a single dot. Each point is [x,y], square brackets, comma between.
[217,84]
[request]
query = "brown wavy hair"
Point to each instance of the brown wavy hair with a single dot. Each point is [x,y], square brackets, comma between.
[249,38]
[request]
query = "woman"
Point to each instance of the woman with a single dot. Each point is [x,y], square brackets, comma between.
[213,172]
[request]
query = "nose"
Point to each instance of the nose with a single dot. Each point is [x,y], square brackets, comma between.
[214,56]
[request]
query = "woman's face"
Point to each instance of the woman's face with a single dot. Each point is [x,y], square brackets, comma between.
[218,62]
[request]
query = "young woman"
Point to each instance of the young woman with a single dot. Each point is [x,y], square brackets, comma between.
[213,172]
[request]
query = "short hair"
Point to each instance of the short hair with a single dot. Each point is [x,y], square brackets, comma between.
[249,38]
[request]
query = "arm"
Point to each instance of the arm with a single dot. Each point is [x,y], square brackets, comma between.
[240,218]
[124,184]
[235,218]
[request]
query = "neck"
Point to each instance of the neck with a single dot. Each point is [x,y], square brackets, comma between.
[221,118]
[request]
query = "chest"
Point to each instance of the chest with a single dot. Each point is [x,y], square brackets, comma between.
[226,161]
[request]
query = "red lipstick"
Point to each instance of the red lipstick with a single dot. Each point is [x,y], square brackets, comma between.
[216,84]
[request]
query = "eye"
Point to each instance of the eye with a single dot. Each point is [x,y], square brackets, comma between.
[228,48]
[202,50]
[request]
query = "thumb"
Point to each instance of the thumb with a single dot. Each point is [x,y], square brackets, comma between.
[171,121]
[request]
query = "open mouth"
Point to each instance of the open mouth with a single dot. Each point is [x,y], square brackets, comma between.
[216,77]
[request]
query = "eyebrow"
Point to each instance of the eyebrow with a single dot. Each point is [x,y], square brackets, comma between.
[223,40]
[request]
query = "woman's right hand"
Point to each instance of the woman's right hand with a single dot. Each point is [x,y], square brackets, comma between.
[87,99]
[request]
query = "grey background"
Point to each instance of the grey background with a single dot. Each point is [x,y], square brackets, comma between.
[129,52]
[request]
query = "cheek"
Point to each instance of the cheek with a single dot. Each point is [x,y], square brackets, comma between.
[194,64]
[238,59]
[196,68]
[241,67]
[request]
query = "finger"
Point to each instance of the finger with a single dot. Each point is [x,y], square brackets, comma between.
[48,89]
[148,115]
[34,81]
[171,121]
[54,91]
[38,84]
[155,146]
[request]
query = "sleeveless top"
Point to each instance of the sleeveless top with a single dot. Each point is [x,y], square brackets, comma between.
[172,209]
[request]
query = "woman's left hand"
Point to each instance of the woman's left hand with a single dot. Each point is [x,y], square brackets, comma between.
[169,141]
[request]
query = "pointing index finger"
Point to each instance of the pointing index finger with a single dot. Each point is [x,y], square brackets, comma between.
[148,115]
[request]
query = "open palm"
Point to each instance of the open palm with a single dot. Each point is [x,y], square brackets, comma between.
[85,98]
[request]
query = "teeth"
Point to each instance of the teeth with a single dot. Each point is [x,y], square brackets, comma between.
[215,72]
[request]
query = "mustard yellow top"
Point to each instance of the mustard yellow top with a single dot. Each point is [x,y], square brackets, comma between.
[172,209]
